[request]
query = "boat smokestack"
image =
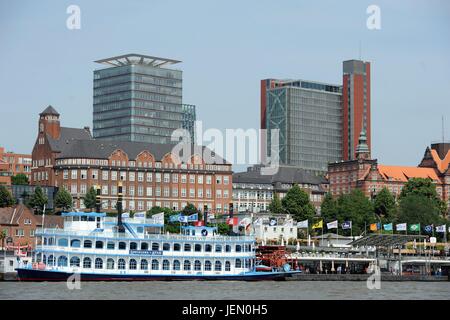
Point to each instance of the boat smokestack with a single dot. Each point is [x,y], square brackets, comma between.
[120,227]
[205,214]
[97,199]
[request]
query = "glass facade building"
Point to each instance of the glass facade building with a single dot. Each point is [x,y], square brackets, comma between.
[136,99]
[189,117]
[309,117]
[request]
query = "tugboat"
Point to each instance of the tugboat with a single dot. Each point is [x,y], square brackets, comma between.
[99,248]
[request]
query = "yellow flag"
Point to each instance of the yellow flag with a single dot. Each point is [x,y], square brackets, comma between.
[373,227]
[318,225]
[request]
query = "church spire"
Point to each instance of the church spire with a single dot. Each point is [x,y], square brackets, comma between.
[362,150]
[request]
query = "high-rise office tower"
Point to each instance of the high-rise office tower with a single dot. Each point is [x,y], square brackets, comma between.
[137,98]
[309,117]
[355,106]
[189,117]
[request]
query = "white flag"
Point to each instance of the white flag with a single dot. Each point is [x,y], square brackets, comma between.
[158,218]
[288,223]
[125,215]
[400,227]
[258,221]
[332,225]
[139,214]
[244,222]
[302,224]
[440,228]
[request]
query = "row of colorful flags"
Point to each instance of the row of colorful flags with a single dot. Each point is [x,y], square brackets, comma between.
[374,226]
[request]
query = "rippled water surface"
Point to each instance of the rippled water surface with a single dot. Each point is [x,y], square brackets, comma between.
[192,290]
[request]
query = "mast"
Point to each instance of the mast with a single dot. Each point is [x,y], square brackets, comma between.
[120,227]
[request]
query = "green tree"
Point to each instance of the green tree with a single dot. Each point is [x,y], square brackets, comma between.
[3,235]
[329,208]
[416,208]
[275,205]
[90,198]
[426,188]
[385,206]
[223,228]
[20,179]
[63,199]
[296,202]
[38,199]
[355,207]
[191,209]
[6,198]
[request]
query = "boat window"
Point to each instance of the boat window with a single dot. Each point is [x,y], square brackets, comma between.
[166,246]
[62,261]
[207,265]
[98,244]
[176,265]
[51,260]
[176,247]
[218,266]
[133,264]
[87,244]
[110,245]
[208,248]
[98,263]
[155,264]
[227,266]
[248,248]
[247,263]
[166,264]
[62,242]
[45,241]
[122,245]
[197,247]
[227,248]
[121,264]
[144,246]
[155,246]
[133,245]
[51,241]
[87,262]
[110,264]
[75,243]
[238,263]
[187,265]
[74,262]
[187,247]
[76,218]
[91,218]
[144,264]
[218,248]
[140,229]
[197,265]
[44,258]
[83,218]
[238,248]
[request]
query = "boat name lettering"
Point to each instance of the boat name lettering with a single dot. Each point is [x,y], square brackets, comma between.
[147,252]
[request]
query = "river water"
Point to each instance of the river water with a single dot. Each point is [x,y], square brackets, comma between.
[225,290]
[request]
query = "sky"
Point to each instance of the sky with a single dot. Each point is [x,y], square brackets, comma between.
[226,48]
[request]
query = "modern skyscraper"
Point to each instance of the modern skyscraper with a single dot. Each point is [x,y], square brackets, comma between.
[189,117]
[309,117]
[355,105]
[137,99]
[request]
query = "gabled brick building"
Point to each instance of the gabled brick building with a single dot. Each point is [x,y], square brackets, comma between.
[152,174]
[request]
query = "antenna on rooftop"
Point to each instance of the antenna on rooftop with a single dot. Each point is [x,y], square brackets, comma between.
[359,49]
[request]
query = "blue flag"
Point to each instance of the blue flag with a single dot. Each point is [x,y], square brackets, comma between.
[346,225]
[387,227]
[174,218]
[429,228]
[183,219]
[193,217]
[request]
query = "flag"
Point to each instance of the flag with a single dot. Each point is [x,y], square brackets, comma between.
[414,227]
[288,223]
[258,221]
[244,222]
[273,222]
[182,218]
[125,215]
[139,214]
[346,225]
[318,225]
[175,218]
[332,225]
[400,227]
[192,217]
[211,215]
[387,227]
[302,224]
[440,228]
[373,226]
[429,228]
[158,218]
[232,221]
[198,223]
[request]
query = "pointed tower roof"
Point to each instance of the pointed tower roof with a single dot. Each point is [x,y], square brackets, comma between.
[362,147]
[49,110]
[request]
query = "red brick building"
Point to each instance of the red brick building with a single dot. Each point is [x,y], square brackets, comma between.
[152,174]
[366,174]
[12,164]
[20,224]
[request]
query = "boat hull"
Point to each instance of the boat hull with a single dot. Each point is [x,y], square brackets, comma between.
[50,275]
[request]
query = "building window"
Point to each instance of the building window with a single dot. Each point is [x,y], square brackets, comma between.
[131,176]
[105,175]
[175,177]
[166,177]
[183,178]
[98,263]
[208,179]
[121,264]
[74,174]
[65,174]
[200,179]
[158,177]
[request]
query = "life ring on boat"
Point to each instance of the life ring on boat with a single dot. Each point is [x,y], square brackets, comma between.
[204,232]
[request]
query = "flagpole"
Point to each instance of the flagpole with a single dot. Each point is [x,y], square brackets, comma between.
[351,229]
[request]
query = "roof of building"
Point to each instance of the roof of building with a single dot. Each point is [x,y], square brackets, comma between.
[285,174]
[49,110]
[134,58]
[51,221]
[442,164]
[68,136]
[385,240]
[11,215]
[102,149]
[403,174]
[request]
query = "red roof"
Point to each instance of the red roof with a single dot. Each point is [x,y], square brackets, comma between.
[402,174]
